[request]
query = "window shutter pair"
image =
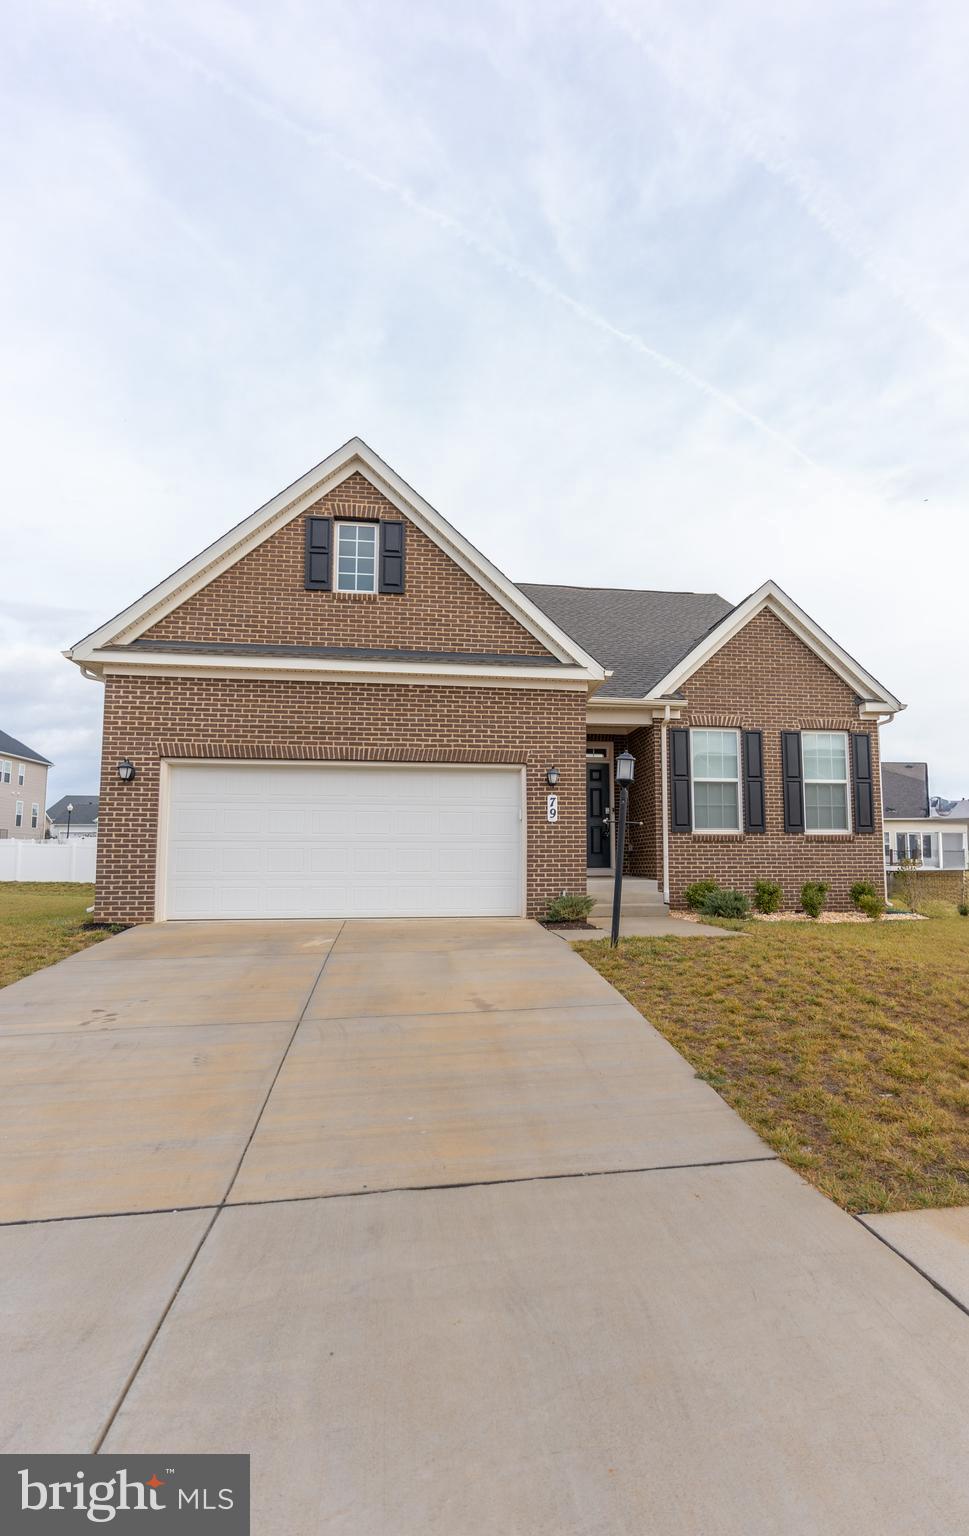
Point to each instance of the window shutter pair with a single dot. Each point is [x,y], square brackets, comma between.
[861,776]
[319,556]
[752,778]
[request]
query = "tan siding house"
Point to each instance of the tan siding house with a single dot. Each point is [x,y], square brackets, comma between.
[23,789]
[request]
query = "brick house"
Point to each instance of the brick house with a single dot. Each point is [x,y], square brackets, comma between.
[342,708]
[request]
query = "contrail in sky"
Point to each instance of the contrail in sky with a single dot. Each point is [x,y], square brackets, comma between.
[447,222]
[802,178]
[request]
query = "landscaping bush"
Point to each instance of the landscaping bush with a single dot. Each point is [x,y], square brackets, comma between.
[813,896]
[697,893]
[871,904]
[570,909]
[964,909]
[859,889]
[718,903]
[768,896]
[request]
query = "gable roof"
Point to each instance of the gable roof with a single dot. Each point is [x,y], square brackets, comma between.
[637,635]
[355,457]
[905,790]
[84,814]
[958,812]
[11,747]
[655,641]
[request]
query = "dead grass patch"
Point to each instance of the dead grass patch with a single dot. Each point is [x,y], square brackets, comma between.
[845,1046]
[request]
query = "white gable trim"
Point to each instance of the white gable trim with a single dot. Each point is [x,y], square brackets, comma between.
[354,457]
[874,698]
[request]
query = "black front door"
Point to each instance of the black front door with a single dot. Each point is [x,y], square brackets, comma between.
[598,843]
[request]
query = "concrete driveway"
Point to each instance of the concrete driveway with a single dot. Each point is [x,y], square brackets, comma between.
[428,1220]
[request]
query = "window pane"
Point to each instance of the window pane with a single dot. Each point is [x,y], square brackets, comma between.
[825,755]
[366,538]
[826,807]
[926,845]
[714,754]
[715,807]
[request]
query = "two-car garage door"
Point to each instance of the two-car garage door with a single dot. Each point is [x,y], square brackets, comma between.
[342,840]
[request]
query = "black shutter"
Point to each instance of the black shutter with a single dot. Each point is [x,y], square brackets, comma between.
[318,544]
[793,781]
[391,557]
[754,781]
[864,788]
[680,775]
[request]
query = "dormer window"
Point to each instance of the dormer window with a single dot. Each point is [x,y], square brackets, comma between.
[356,557]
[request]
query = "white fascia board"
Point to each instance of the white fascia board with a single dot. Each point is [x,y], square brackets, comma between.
[605,712]
[113,663]
[875,698]
[288,504]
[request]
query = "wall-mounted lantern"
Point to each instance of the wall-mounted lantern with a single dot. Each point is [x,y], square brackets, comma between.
[126,770]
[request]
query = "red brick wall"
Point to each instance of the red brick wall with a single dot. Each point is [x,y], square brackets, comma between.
[150,718]
[767,679]
[262,599]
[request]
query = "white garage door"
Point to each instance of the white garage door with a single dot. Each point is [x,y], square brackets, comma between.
[306,840]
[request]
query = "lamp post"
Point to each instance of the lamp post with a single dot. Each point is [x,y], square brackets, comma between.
[70,812]
[625,773]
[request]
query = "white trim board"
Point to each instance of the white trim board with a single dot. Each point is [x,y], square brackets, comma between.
[353,458]
[875,699]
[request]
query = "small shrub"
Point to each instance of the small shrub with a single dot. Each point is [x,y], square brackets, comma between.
[814,893]
[858,890]
[964,909]
[697,893]
[871,904]
[570,909]
[768,896]
[720,903]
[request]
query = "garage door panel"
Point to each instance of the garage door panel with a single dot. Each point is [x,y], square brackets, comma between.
[286,840]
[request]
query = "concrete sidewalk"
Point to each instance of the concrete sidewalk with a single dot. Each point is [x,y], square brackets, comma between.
[473,1251]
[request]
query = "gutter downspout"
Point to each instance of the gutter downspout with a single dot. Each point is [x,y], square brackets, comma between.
[665,801]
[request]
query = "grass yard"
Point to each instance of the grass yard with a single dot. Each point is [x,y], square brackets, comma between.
[845,1047]
[41,922]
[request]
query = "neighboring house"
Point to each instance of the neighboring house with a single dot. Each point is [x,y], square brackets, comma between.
[23,789]
[341,708]
[73,816]
[914,830]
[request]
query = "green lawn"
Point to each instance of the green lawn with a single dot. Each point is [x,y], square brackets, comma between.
[845,1047]
[42,922]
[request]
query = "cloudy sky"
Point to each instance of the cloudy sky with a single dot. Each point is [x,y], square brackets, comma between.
[637,294]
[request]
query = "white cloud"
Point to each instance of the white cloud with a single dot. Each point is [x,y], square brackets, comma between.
[682,313]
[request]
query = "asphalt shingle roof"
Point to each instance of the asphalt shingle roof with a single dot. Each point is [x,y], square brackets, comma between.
[11,747]
[637,635]
[905,790]
[84,814]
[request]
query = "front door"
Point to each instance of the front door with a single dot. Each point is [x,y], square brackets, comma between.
[598,839]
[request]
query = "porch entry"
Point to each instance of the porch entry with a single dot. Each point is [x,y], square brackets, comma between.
[598,770]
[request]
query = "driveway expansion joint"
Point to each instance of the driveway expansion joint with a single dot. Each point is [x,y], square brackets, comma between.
[133,1374]
[935,1284]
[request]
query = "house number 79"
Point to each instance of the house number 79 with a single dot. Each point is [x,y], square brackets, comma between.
[552,802]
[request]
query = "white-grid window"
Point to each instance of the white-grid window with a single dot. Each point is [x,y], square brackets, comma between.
[825,759]
[715,774]
[18,814]
[34,816]
[20,773]
[356,557]
[5,766]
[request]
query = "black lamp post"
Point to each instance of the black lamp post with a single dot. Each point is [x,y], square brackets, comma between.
[70,812]
[625,773]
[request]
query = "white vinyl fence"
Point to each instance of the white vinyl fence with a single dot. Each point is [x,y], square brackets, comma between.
[23,859]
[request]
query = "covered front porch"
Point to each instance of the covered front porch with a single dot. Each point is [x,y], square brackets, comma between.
[643,844]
